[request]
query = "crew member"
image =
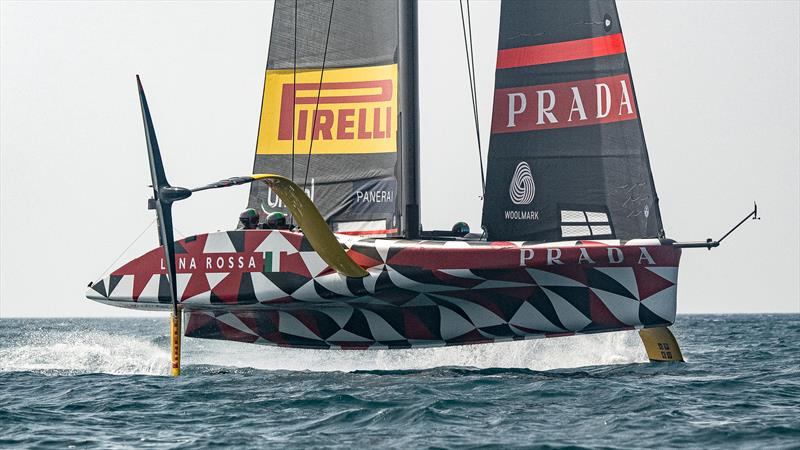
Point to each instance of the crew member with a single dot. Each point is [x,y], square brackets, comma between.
[460,229]
[248,220]
[276,221]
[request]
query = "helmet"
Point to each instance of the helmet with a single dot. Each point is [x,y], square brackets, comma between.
[460,229]
[276,220]
[249,218]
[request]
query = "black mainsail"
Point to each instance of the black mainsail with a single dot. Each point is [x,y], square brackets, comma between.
[567,156]
[329,117]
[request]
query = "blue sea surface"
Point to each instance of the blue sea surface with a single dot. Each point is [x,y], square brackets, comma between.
[103,383]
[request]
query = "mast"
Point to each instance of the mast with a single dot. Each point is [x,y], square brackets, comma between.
[409,118]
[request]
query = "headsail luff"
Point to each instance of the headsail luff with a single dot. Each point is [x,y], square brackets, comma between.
[353,171]
[567,156]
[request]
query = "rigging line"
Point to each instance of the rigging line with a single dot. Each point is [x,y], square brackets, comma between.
[467,29]
[294,85]
[254,188]
[319,91]
[294,98]
[128,247]
[474,78]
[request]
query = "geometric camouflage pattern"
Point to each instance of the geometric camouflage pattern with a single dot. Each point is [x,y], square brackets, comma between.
[271,287]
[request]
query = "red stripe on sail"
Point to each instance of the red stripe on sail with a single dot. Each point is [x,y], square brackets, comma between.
[534,55]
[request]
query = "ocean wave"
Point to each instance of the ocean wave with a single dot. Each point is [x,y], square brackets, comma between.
[60,385]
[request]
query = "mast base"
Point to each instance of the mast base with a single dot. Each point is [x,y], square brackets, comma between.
[661,345]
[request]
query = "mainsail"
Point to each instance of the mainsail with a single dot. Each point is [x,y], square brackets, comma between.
[329,116]
[567,156]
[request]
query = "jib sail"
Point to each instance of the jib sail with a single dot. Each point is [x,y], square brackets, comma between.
[331,91]
[567,156]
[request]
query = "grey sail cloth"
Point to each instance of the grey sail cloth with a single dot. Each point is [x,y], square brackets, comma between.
[567,156]
[346,182]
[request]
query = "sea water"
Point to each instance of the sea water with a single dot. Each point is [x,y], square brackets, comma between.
[103,383]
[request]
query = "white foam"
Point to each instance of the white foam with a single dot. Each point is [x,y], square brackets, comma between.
[95,351]
[85,351]
[540,354]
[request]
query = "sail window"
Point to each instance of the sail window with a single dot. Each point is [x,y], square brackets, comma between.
[596,217]
[373,228]
[584,223]
[572,216]
[575,231]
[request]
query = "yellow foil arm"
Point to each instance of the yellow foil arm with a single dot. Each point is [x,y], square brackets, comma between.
[313,225]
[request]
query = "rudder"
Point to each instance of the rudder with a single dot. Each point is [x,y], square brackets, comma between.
[661,345]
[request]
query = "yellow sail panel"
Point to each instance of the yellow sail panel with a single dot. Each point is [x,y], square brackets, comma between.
[357,111]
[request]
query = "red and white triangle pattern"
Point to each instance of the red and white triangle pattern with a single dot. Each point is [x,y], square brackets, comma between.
[271,287]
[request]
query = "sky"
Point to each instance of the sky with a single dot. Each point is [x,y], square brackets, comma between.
[717,85]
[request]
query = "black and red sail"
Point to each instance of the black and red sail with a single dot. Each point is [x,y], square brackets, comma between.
[567,156]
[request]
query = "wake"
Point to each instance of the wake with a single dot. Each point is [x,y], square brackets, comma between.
[541,354]
[86,351]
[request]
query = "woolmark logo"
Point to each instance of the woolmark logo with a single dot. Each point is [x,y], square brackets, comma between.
[522,187]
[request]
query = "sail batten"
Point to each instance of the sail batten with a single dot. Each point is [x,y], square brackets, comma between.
[566,138]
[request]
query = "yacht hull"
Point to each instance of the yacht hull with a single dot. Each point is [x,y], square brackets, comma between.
[271,287]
